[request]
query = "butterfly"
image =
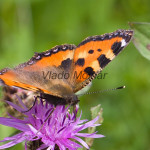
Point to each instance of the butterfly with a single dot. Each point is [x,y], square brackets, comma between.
[62,71]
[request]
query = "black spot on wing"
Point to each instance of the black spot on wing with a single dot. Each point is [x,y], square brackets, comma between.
[103,61]
[99,50]
[80,62]
[91,51]
[66,64]
[89,71]
[116,47]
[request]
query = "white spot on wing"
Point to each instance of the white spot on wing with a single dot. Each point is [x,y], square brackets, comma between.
[110,55]
[82,54]
[69,55]
[95,65]
[123,43]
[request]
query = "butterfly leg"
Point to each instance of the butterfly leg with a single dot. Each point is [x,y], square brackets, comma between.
[32,105]
[75,110]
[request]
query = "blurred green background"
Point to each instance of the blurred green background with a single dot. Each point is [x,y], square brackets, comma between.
[28,26]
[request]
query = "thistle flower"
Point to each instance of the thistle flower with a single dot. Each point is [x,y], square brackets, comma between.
[52,126]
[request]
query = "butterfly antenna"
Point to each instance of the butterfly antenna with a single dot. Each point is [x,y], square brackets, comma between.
[101,91]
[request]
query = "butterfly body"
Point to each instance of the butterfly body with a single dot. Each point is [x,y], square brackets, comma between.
[65,69]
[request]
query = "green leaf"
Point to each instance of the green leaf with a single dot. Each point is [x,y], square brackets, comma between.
[95,111]
[141,38]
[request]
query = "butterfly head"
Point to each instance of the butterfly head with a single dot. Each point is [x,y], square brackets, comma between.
[71,99]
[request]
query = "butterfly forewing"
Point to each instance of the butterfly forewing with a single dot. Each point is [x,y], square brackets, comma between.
[41,72]
[94,53]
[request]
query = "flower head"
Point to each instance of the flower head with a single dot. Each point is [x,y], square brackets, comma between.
[53,126]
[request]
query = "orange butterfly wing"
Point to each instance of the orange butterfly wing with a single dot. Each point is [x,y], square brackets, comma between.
[30,75]
[94,53]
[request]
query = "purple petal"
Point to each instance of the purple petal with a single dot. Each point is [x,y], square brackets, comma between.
[13,137]
[15,106]
[52,147]
[43,146]
[26,147]
[88,124]
[61,147]
[81,141]
[95,125]
[17,120]
[12,123]
[70,144]
[35,131]
[21,103]
[90,135]
[12,143]
[82,121]
[82,127]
